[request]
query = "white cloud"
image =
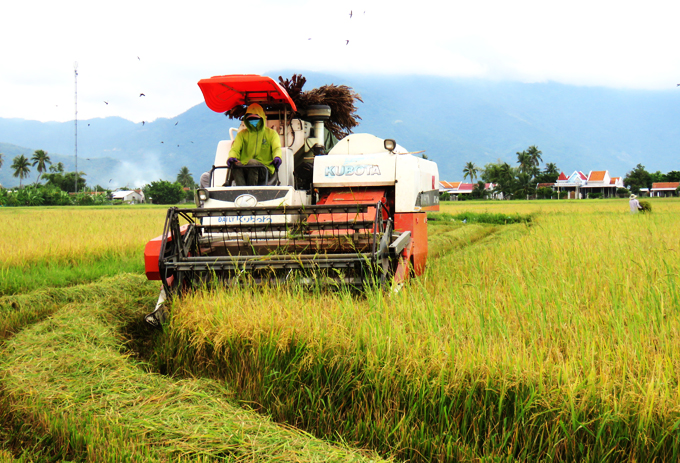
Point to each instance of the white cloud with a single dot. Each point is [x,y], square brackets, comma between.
[607,43]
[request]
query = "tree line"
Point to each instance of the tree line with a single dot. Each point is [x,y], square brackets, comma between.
[59,185]
[522,180]
[639,178]
[511,181]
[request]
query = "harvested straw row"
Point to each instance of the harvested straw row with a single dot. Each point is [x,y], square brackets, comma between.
[20,310]
[67,377]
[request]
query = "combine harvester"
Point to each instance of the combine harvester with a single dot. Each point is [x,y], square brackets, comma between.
[355,215]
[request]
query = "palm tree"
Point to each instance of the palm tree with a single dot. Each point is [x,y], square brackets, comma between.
[40,158]
[479,190]
[184,178]
[551,168]
[524,185]
[21,167]
[470,170]
[506,180]
[524,161]
[535,155]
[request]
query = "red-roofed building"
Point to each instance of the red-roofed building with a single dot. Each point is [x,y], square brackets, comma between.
[449,187]
[459,188]
[600,182]
[579,185]
[663,189]
[598,176]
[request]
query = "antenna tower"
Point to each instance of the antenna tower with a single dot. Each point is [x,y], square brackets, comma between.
[75,71]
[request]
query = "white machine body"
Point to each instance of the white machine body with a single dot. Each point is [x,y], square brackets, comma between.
[361,160]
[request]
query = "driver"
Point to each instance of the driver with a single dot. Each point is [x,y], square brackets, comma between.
[256,145]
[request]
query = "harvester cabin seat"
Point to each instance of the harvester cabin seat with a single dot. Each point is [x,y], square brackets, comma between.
[269,179]
[284,176]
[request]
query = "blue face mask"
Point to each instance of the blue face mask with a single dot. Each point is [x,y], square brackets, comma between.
[253,122]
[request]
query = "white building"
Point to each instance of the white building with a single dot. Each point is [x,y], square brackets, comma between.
[129,196]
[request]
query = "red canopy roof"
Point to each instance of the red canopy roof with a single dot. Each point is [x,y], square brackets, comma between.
[222,93]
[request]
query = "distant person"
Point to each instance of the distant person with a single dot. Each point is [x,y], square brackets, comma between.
[634,204]
[257,144]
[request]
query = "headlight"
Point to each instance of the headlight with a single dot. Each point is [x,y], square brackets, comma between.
[202,196]
[390,144]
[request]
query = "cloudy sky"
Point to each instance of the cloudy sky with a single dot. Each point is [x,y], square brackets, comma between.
[162,48]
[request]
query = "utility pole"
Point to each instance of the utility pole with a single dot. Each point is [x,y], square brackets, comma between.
[75,71]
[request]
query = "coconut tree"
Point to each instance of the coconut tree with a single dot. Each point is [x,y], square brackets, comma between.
[185,178]
[479,190]
[506,180]
[470,170]
[21,167]
[551,168]
[524,161]
[535,155]
[40,159]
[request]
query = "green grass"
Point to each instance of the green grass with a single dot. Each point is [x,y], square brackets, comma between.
[15,280]
[480,217]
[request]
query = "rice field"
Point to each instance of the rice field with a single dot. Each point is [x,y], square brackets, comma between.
[552,340]
[61,246]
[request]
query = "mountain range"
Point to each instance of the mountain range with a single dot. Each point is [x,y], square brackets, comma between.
[454,120]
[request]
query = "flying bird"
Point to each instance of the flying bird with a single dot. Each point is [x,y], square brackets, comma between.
[88,125]
[138,58]
[106,102]
[161,142]
[176,122]
[177,146]
[141,94]
[110,180]
[143,122]
[347,42]
[350,14]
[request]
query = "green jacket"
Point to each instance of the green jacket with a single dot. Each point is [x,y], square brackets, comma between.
[262,144]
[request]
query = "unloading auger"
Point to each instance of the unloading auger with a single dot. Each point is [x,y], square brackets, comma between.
[348,212]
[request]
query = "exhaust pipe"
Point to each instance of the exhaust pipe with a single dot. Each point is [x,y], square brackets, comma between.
[318,114]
